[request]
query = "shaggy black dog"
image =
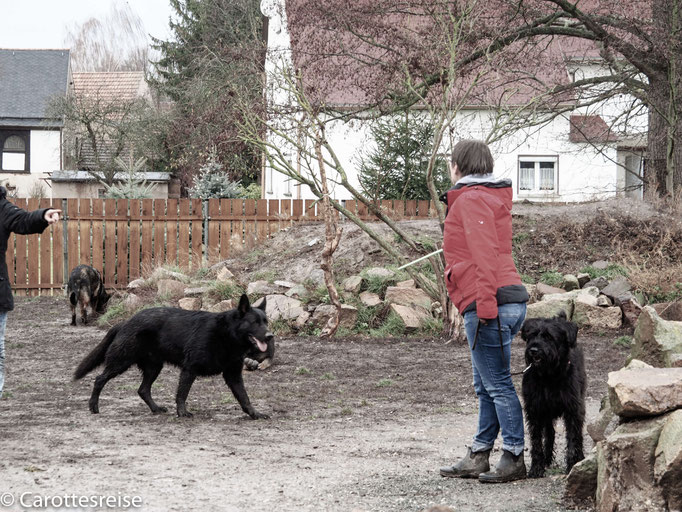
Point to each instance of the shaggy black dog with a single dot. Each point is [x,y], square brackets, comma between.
[553,387]
[86,289]
[199,342]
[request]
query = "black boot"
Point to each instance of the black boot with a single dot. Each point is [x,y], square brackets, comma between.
[511,467]
[470,466]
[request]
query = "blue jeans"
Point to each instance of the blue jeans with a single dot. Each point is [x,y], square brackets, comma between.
[3,323]
[499,405]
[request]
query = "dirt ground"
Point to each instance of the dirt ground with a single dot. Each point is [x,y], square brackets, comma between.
[356,425]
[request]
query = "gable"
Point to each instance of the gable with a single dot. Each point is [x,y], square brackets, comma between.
[29,79]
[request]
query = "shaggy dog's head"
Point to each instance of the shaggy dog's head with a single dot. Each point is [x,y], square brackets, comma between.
[549,342]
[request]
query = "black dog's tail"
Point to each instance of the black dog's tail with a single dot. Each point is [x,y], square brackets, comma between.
[96,356]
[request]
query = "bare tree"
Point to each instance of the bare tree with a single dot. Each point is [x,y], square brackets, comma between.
[116,43]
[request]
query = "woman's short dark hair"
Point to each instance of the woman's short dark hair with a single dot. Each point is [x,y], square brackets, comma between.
[472,157]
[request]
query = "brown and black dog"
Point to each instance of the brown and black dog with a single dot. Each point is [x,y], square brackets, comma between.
[87,289]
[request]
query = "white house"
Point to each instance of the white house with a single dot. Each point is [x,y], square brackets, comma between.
[30,138]
[582,154]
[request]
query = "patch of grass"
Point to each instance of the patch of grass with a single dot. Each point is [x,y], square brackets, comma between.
[115,313]
[301,370]
[525,278]
[280,327]
[432,327]
[328,376]
[378,284]
[660,294]
[202,272]
[226,398]
[264,275]
[392,326]
[346,411]
[623,341]
[612,271]
[427,243]
[520,237]
[254,256]
[225,290]
[384,383]
[552,278]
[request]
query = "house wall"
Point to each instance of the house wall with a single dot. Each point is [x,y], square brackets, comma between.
[44,157]
[584,171]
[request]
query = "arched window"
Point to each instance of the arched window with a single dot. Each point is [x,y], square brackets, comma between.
[14,155]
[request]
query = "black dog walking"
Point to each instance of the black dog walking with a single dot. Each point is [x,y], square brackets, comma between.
[198,342]
[553,387]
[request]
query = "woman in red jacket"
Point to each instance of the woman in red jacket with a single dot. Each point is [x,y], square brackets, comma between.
[485,287]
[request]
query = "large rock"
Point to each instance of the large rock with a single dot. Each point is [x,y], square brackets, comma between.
[224,275]
[164,273]
[583,279]
[413,297]
[550,308]
[222,306]
[352,284]
[370,299]
[197,291]
[323,312]
[190,303]
[657,341]
[668,465]
[597,317]
[262,288]
[570,282]
[581,482]
[666,310]
[412,318]
[532,290]
[617,290]
[135,284]
[625,461]
[631,310]
[600,282]
[170,287]
[605,423]
[379,272]
[645,391]
[543,289]
[409,283]
[281,307]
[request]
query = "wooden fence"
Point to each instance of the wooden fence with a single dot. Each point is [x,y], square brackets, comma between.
[122,238]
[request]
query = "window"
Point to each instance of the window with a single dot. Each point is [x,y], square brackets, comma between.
[14,156]
[538,175]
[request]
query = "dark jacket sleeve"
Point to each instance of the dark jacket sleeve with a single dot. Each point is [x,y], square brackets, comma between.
[22,222]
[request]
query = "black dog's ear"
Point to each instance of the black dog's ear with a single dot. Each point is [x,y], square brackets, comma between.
[561,316]
[261,306]
[571,331]
[244,305]
[529,328]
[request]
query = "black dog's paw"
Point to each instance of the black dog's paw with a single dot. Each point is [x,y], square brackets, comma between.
[259,416]
[159,410]
[185,414]
[250,364]
[536,472]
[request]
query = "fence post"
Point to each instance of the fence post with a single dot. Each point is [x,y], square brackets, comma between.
[204,209]
[65,237]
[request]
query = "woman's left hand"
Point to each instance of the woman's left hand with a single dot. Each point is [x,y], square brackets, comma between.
[52,216]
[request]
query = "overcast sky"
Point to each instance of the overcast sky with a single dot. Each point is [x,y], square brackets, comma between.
[44,23]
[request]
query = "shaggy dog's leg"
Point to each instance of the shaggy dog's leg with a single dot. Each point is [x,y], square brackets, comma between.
[184,385]
[537,459]
[574,438]
[549,443]
[149,374]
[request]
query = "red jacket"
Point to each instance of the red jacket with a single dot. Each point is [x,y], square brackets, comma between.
[477,244]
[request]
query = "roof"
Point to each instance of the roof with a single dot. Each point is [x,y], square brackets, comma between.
[119,86]
[85,176]
[590,129]
[29,79]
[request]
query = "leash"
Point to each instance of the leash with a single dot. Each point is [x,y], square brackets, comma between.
[499,332]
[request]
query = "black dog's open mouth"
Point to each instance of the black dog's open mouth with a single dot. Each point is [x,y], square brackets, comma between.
[262,346]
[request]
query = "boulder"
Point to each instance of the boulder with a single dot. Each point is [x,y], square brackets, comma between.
[281,307]
[370,299]
[581,482]
[586,294]
[301,320]
[135,284]
[618,289]
[583,279]
[406,284]
[586,315]
[297,291]
[543,289]
[316,276]
[605,423]
[284,284]
[532,290]
[196,292]
[625,460]
[604,301]
[634,364]
[645,392]
[324,312]
[550,308]
[379,272]
[413,297]
[657,341]
[170,287]
[600,282]
[190,303]
[132,302]
[412,318]
[668,463]
[631,310]
[164,273]
[222,306]
[262,288]
[352,284]
[600,264]
[570,282]
[224,275]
